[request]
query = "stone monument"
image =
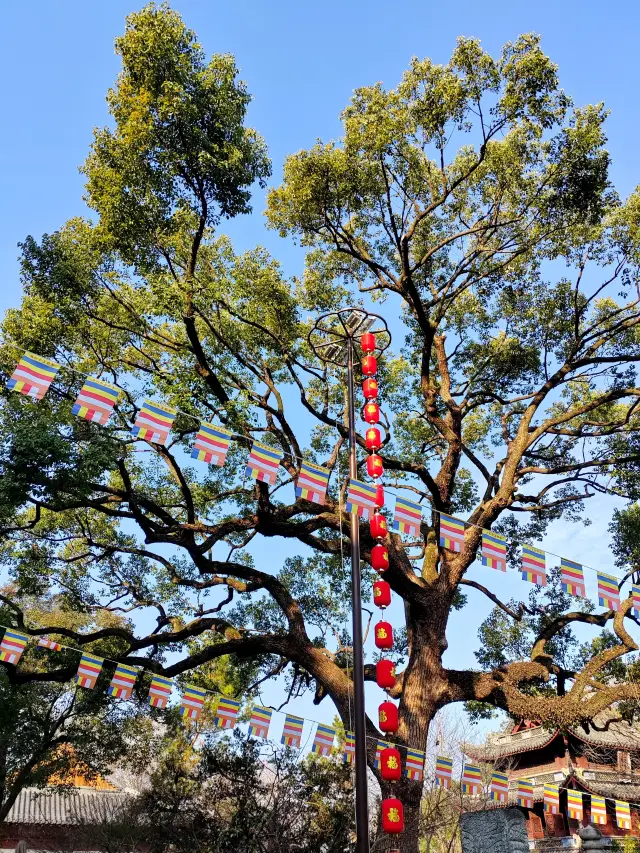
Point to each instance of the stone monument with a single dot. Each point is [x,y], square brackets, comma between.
[591,838]
[494,831]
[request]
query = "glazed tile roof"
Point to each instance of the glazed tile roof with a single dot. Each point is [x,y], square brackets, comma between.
[64,808]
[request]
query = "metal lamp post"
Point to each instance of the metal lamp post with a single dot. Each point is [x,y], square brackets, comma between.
[333,340]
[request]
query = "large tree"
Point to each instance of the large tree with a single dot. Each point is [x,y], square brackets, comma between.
[473,200]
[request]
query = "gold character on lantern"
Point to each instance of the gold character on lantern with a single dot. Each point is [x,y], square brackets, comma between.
[392,763]
[386,554]
[377,592]
[382,633]
[383,716]
[394,816]
[392,672]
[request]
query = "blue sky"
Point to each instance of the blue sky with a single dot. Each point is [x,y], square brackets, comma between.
[301,62]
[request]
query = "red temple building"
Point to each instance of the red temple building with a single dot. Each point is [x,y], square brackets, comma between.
[602,759]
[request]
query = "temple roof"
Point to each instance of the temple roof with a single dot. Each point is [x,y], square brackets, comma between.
[65,807]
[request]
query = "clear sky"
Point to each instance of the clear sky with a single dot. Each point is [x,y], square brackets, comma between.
[301,62]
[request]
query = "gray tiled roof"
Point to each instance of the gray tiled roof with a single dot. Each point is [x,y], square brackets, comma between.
[65,808]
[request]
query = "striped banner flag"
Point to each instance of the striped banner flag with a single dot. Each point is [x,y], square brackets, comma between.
[623,815]
[551,799]
[534,565]
[444,771]
[263,463]
[380,745]
[227,713]
[407,517]
[574,804]
[260,721]
[12,645]
[312,482]
[471,780]
[154,422]
[192,702]
[493,553]
[361,498]
[451,533]
[211,444]
[414,765]
[160,691]
[123,681]
[46,643]
[292,732]
[33,375]
[598,810]
[323,741]
[608,592]
[96,400]
[88,670]
[635,592]
[349,753]
[524,796]
[572,578]
[499,787]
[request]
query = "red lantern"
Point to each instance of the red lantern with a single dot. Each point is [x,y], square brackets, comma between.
[388,717]
[381,594]
[386,674]
[372,438]
[370,389]
[384,635]
[380,558]
[378,526]
[375,468]
[390,764]
[392,815]
[379,497]
[368,342]
[371,413]
[369,365]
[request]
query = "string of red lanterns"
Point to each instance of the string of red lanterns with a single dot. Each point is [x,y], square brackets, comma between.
[390,759]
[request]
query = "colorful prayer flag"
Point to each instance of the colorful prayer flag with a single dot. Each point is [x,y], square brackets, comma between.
[292,732]
[471,780]
[598,810]
[323,741]
[88,670]
[96,400]
[12,646]
[227,713]
[211,444]
[574,804]
[635,591]
[451,533]
[407,517]
[623,815]
[46,643]
[260,721]
[33,375]
[524,795]
[499,787]
[160,691]
[380,745]
[534,565]
[361,498]
[122,682]
[154,422]
[494,551]
[551,799]
[572,578]
[349,748]
[312,482]
[263,463]
[192,702]
[414,765]
[444,771]
[608,592]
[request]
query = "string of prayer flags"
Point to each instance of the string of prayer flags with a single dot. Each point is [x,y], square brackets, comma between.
[534,565]
[12,646]
[96,400]
[635,591]
[160,691]
[123,681]
[524,796]
[598,810]
[349,754]
[192,702]
[414,765]
[263,463]
[154,422]
[623,815]
[361,498]
[46,643]
[260,721]
[226,713]
[499,787]
[312,482]
[407,517]
[493,552]
[574,804]
[89,670]
[292,732]
[211,444]
[444,771]
[451,533]
[608,592]
[33,375]
[471,780]
[323,741]
[551,798]
[572,578]
[380,745]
